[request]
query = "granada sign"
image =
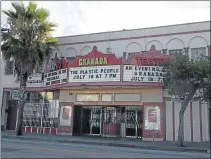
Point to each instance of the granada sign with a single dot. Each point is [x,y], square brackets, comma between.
[93,61]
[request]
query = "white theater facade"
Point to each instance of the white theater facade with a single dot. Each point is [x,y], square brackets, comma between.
[110,84]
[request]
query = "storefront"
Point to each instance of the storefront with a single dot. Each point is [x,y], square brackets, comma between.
[111,95]
[100,94]
[117,112]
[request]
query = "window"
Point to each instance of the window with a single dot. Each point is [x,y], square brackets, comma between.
[197,53]
[176,52]
[87,97]
[127,97]
[47,95]
[106,97]
[9,67]
[52,109]
[109,115]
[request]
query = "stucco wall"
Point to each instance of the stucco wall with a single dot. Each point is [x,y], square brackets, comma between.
[195,121]
[169,37]
[8,81]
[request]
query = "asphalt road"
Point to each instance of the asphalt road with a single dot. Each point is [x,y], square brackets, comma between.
[14,148]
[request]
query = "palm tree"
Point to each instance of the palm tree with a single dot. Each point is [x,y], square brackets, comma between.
[28,42]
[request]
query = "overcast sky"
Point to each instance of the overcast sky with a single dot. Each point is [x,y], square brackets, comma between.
[81,17]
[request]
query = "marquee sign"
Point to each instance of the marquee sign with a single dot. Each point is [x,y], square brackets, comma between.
[99,67]
[95,74]
[35,78]
[149,58]
[56,64]
[143,73]
[56,77]
[95,58]
[150,61]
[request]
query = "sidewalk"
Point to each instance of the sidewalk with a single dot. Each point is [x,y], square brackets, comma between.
[159,145]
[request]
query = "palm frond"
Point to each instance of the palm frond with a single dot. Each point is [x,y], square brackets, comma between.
[42,14]
[29,41]
[11,14]
[19,7]
[32,6]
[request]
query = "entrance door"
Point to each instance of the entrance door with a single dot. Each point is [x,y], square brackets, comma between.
[140,118]
[134,122]
[130,123]
[11,118]
[86,121]
[77,120]
[95,121]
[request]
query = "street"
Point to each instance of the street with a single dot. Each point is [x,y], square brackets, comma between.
[14,148]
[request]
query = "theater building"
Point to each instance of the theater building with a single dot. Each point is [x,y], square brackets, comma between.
[110,84]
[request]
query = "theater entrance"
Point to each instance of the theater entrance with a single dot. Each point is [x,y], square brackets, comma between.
[87,120]
[133,122]
[109,121]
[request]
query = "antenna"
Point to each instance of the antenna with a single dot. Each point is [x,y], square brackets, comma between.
[144,41]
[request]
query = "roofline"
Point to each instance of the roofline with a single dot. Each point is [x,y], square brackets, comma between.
[133,29]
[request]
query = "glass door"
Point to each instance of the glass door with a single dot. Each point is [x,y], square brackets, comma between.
[130,123]
[139,123]
[86,116]
[133,122]
[95,121]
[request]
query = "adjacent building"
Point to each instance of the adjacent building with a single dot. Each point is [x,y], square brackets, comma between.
[110,84]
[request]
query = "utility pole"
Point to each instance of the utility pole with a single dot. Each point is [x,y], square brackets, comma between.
[1,78]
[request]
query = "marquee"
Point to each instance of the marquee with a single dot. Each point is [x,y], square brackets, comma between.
[55,78]
[99,67]
[135,73]
[95,74]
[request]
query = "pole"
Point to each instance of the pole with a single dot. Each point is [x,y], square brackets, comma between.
[1,85]
[43,101]
[153,141]
[209,119]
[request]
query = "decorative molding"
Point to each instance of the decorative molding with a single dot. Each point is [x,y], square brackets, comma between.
[164,51]
[111,58]
[152,53]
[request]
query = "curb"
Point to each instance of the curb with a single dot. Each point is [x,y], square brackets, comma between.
[111,144]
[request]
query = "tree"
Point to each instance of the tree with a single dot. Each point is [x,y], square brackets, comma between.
[185,78]
[28,42]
